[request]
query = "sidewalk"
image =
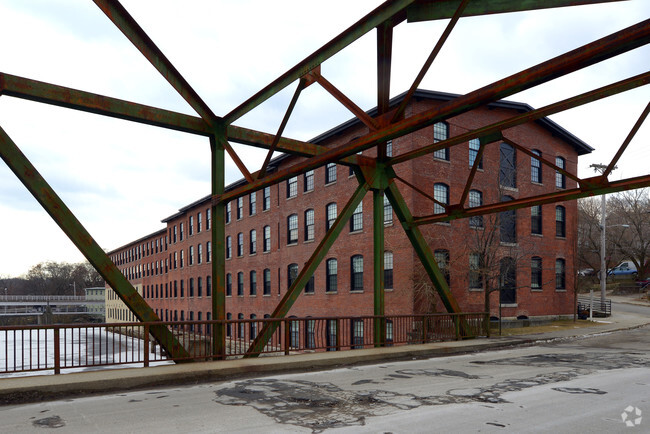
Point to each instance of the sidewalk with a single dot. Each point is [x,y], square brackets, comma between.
[51,387]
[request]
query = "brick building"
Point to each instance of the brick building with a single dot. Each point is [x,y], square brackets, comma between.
[272,232]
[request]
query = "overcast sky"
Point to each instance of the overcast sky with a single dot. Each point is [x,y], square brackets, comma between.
[121,178]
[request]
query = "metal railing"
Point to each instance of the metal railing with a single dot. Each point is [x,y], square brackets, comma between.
[600,307]
[69,347]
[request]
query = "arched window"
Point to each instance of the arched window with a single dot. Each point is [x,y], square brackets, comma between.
[252,248]
[267,238]
[356,221]
[228,247]
[388,270]
[292,229]
[330,212]
[440,133]
[560,278]
[253,282]
[508,281]
[508,224]
[267,281]
[292,274]
[560,221]
[536,273]
[536,167]
[474,147]
[507,166]
[309,224]
[475,274]
[331,276]
[441,195]
[228,285]
[330,173]
[356,274]
[240,244]
[442,259]
[240,283]
[560,179]
[536,220]
[475,199]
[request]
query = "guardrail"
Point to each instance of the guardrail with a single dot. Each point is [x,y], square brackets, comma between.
[42,298]
[69,347]
[601,308]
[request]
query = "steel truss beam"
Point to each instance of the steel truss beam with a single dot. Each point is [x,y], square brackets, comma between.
[63,216]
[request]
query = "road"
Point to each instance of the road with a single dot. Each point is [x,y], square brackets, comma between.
[580,385]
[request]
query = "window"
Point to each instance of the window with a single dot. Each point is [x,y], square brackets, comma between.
[475,275]
[240,284]
[441,195]
[292,187]
[228,247]
[331,335]
[330,212]
[356,329]
[507,281]
[240,244]
[292,274]
[240,208]
[208,286]
[174,234]
[536,273]
[536,220]
[181,231]
[356,275]
[389,148]
[182,258]
[267,238]
[208,218]
[507,166]
[309,225]
[252,203]
[388,270]
[560,221]
[190,229]
[253,242]
[310,336]
[331,276]
[356,221]
[292,229]
[508,224]
[440,133]
[294,333]
[190,259]
[182,288]
[267,281]
[330,173]
[199,287]
[208,251]
[191,288]
[388,212]
[199,253]
[253,327]
[266,196]
[475,199]
[228,318]
[241,334]
[309,287]
[253,282]
[228,212]
[536,167]
[560,282]
[175,260]
[474,147]
[198,222]
[442,259]
[560,179]
[308,180]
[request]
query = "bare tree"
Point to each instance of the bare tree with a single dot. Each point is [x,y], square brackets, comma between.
[632,210]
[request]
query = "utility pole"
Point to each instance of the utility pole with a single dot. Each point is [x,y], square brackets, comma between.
[603,232]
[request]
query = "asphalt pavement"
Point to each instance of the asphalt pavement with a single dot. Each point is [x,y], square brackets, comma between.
[50,387]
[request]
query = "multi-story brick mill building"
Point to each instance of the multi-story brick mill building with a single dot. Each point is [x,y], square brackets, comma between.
[271,233]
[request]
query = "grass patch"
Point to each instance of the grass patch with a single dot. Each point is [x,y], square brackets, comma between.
[554,326]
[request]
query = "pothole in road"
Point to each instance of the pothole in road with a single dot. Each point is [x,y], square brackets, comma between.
[49,422]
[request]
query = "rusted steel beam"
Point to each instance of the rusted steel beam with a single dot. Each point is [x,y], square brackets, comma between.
[307,271]
[541,159]
[589,187]
[389,9]
[426,10]
[346,102]
[627,141]
[384,63]
[301,85]
[427,64]
[602,49]
[65,219]
[25,88]
[138,37]
[576,101]
[419,190]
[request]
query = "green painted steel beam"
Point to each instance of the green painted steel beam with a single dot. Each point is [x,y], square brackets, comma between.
[421,248]
[426,10]
[387,10]
[290,297]
[378,266]
[218,244]
[65,219]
